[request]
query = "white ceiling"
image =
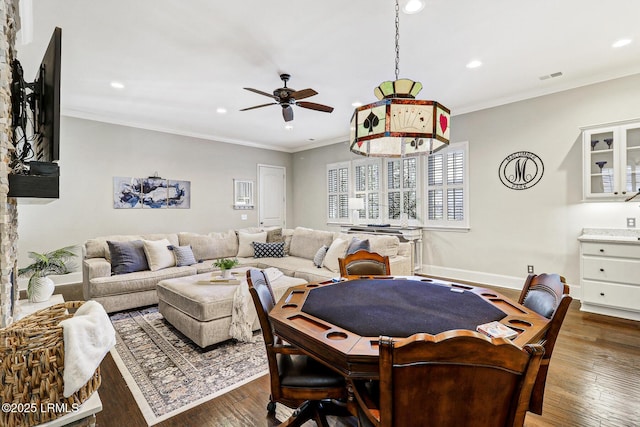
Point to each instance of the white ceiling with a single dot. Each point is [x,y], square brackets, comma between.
[181,60]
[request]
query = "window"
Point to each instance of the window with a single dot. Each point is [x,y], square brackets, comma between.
[431,191]
[402,188]
[338,192]
[367,177]
[447,187]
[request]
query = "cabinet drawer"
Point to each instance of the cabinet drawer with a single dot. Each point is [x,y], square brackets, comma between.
[611,269]
[611,249]
[613,295]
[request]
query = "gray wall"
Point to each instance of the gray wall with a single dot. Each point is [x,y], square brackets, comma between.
[92,153]
[509,229]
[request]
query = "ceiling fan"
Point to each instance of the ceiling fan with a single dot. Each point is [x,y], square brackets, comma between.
[287,97]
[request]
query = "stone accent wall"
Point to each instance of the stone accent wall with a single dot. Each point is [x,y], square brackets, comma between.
[9,18]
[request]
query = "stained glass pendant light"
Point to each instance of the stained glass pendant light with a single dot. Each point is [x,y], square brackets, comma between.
[399,125]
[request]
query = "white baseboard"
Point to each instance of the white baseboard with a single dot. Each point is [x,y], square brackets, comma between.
[509,282]
[58,279]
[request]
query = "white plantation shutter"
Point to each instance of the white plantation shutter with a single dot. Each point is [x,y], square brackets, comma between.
[402,188]
[447,187]
[338,192]
[367,177]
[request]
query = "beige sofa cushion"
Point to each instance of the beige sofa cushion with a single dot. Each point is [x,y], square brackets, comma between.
[158,254]
[211,246]
[245,242]
[98,247]
[337,250]
[384,245]
[305,242]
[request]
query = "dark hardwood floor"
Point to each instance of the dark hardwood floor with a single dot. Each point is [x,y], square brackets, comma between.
[594,380]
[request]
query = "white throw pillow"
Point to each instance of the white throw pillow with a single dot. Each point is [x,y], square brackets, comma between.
[337,250]
[245,242]
[158,254]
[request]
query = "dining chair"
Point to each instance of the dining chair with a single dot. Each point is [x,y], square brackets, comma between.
[547,295]
[364,263]
[297,380]
[455,378]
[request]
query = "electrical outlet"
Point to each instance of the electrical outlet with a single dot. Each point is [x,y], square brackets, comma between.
[529,268]
[243,217]
[631,223]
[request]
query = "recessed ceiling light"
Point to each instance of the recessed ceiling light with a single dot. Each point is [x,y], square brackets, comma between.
[474,64]
[117,85]
[621,42]
[356,104]
[413,6]
[221,110]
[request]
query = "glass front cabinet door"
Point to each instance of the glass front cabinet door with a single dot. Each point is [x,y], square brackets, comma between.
[611,160]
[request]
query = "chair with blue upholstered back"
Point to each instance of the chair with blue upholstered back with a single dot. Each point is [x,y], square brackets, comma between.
[547,295]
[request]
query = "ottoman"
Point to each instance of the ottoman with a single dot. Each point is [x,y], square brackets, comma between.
[202,310]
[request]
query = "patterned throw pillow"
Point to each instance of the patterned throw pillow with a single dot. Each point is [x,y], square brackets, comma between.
[184,255]
[268,250]
[318,259]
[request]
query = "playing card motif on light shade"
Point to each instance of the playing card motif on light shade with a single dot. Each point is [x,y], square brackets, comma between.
[399,125]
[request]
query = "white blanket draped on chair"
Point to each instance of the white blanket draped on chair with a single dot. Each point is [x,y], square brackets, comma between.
[243,315]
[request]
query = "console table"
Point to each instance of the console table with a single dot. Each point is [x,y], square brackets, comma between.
[413,235]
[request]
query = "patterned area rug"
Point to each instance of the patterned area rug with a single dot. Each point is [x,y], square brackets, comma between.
[169,374]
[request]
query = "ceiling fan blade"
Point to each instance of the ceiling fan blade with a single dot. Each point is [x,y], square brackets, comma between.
[259,106]
[302,94]
[261,92]
[287,113]
[314,106]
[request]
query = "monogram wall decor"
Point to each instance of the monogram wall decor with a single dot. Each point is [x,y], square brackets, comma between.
[521,170]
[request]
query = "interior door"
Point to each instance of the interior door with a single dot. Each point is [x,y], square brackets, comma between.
[272,201]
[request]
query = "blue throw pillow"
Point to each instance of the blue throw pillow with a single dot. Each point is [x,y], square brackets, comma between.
[268,250]
[184,255]
[127,257]
[358,245]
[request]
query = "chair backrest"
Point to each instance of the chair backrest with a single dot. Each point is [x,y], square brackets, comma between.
[264,300]
[364,263]
[547,295]
[455,378]
[542,293]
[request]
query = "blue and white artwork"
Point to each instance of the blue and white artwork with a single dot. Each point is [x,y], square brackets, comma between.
[179,194]
[154,193]
[151,193]
[126,193]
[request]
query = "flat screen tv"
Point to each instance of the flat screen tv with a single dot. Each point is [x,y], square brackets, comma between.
[42,98]
[46,111]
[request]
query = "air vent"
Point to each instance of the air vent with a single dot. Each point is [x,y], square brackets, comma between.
[550,76]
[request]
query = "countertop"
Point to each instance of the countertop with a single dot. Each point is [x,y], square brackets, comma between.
[612,235]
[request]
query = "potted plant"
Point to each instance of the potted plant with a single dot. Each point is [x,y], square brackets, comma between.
[226,264]
[41,287]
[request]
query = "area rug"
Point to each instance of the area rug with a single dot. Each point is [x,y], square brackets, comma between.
[168,374]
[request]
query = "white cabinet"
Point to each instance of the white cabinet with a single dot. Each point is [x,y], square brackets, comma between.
[610,272]
[611,160]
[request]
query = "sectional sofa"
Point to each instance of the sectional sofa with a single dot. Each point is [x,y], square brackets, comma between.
[122,279]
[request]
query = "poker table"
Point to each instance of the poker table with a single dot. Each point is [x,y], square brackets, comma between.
[339,323]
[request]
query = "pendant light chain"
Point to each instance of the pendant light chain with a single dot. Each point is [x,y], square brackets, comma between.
[397,40]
